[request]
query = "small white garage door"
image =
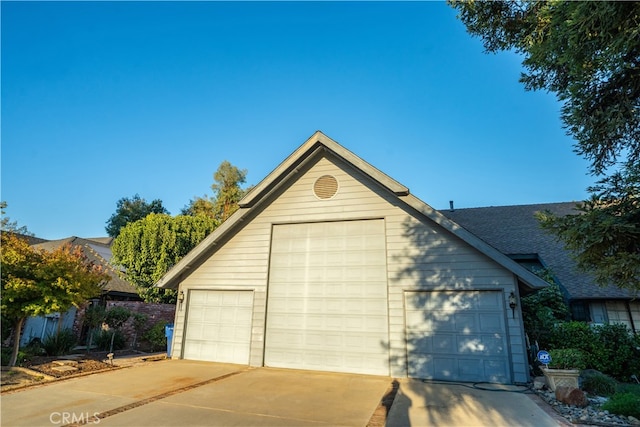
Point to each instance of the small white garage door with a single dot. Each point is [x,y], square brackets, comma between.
[457,336]
[327,302]
[218,326]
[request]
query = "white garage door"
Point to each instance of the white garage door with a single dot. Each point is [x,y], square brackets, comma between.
[457,336]
[218,326]
[327,303]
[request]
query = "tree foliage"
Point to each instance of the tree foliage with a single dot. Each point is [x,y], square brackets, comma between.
[36,282]
[148,248]
[227,192]
[605,233]
[588,54]
[131,210]
[226,189]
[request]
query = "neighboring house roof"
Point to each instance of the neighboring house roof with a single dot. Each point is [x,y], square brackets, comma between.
[514,230]
[99,253]
[281,176]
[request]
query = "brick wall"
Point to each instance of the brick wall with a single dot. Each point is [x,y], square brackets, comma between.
[154,312]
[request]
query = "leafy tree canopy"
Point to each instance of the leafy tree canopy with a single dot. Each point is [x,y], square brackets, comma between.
[131,210]
[148,248]
[606,232]
[37,282]
[227,192]
[588,53]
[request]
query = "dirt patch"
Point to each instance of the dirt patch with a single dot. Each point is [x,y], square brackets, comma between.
[82,366]
[40,370]
[17,377]
[379,417]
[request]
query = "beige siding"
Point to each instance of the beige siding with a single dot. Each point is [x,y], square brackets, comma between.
[420,255]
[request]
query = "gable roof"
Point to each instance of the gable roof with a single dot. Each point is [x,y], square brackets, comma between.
[98,251]
[317,145]
[514,230]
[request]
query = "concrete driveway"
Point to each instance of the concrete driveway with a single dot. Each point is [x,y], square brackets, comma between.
[180,392]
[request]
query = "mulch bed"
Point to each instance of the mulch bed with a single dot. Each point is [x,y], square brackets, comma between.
[84,365]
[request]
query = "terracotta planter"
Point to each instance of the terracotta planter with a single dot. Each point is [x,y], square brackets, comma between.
[561,377]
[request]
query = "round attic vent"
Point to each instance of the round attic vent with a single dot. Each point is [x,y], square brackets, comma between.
[325,187]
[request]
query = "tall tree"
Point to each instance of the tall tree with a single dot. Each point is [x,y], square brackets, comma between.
[148,248]
[606,232]
[131,210]
[588,54]
[227,192]
[36,282]
[226,189]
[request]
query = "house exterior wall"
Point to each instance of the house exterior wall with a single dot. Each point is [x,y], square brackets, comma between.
[420,256]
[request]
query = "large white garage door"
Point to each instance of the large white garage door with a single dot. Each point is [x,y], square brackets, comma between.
[218,326]
[327,303]
[457,336]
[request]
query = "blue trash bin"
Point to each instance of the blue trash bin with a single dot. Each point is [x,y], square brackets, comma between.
[168,332]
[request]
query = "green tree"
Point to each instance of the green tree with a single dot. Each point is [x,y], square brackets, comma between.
[226,189]
[37,282]
[605,233]
[131,210]
[148,248]
[200,206]
[588,54]
[227,192]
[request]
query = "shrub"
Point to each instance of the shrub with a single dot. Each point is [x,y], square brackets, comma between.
[156,336]
[610,349]
[102,340]
[60,343]
[567,358]
[597,383]
[627,404]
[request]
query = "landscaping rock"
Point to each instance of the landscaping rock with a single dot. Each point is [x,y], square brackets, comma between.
[572,396]
[633,420]
[64,368]
[72,363]
[539,383]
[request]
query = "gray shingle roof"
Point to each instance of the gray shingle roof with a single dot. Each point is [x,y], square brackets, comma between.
[98,252]
[514,230]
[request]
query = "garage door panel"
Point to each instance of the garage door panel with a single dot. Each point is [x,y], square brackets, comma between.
[327,303]
[457,335]
[219,326]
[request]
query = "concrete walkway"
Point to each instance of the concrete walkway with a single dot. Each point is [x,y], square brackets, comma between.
[420,403]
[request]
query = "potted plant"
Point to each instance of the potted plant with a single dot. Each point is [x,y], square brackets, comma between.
[565,367]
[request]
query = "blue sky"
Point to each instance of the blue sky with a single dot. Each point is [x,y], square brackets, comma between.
[103,100]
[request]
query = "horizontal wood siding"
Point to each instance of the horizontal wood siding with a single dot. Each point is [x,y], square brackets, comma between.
[420,254]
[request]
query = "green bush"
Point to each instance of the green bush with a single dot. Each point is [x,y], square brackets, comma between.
[59,343]
[610,349]
[5,356]
[102,340]
[627,404]
[156,336]
[567,358]
[597,383]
